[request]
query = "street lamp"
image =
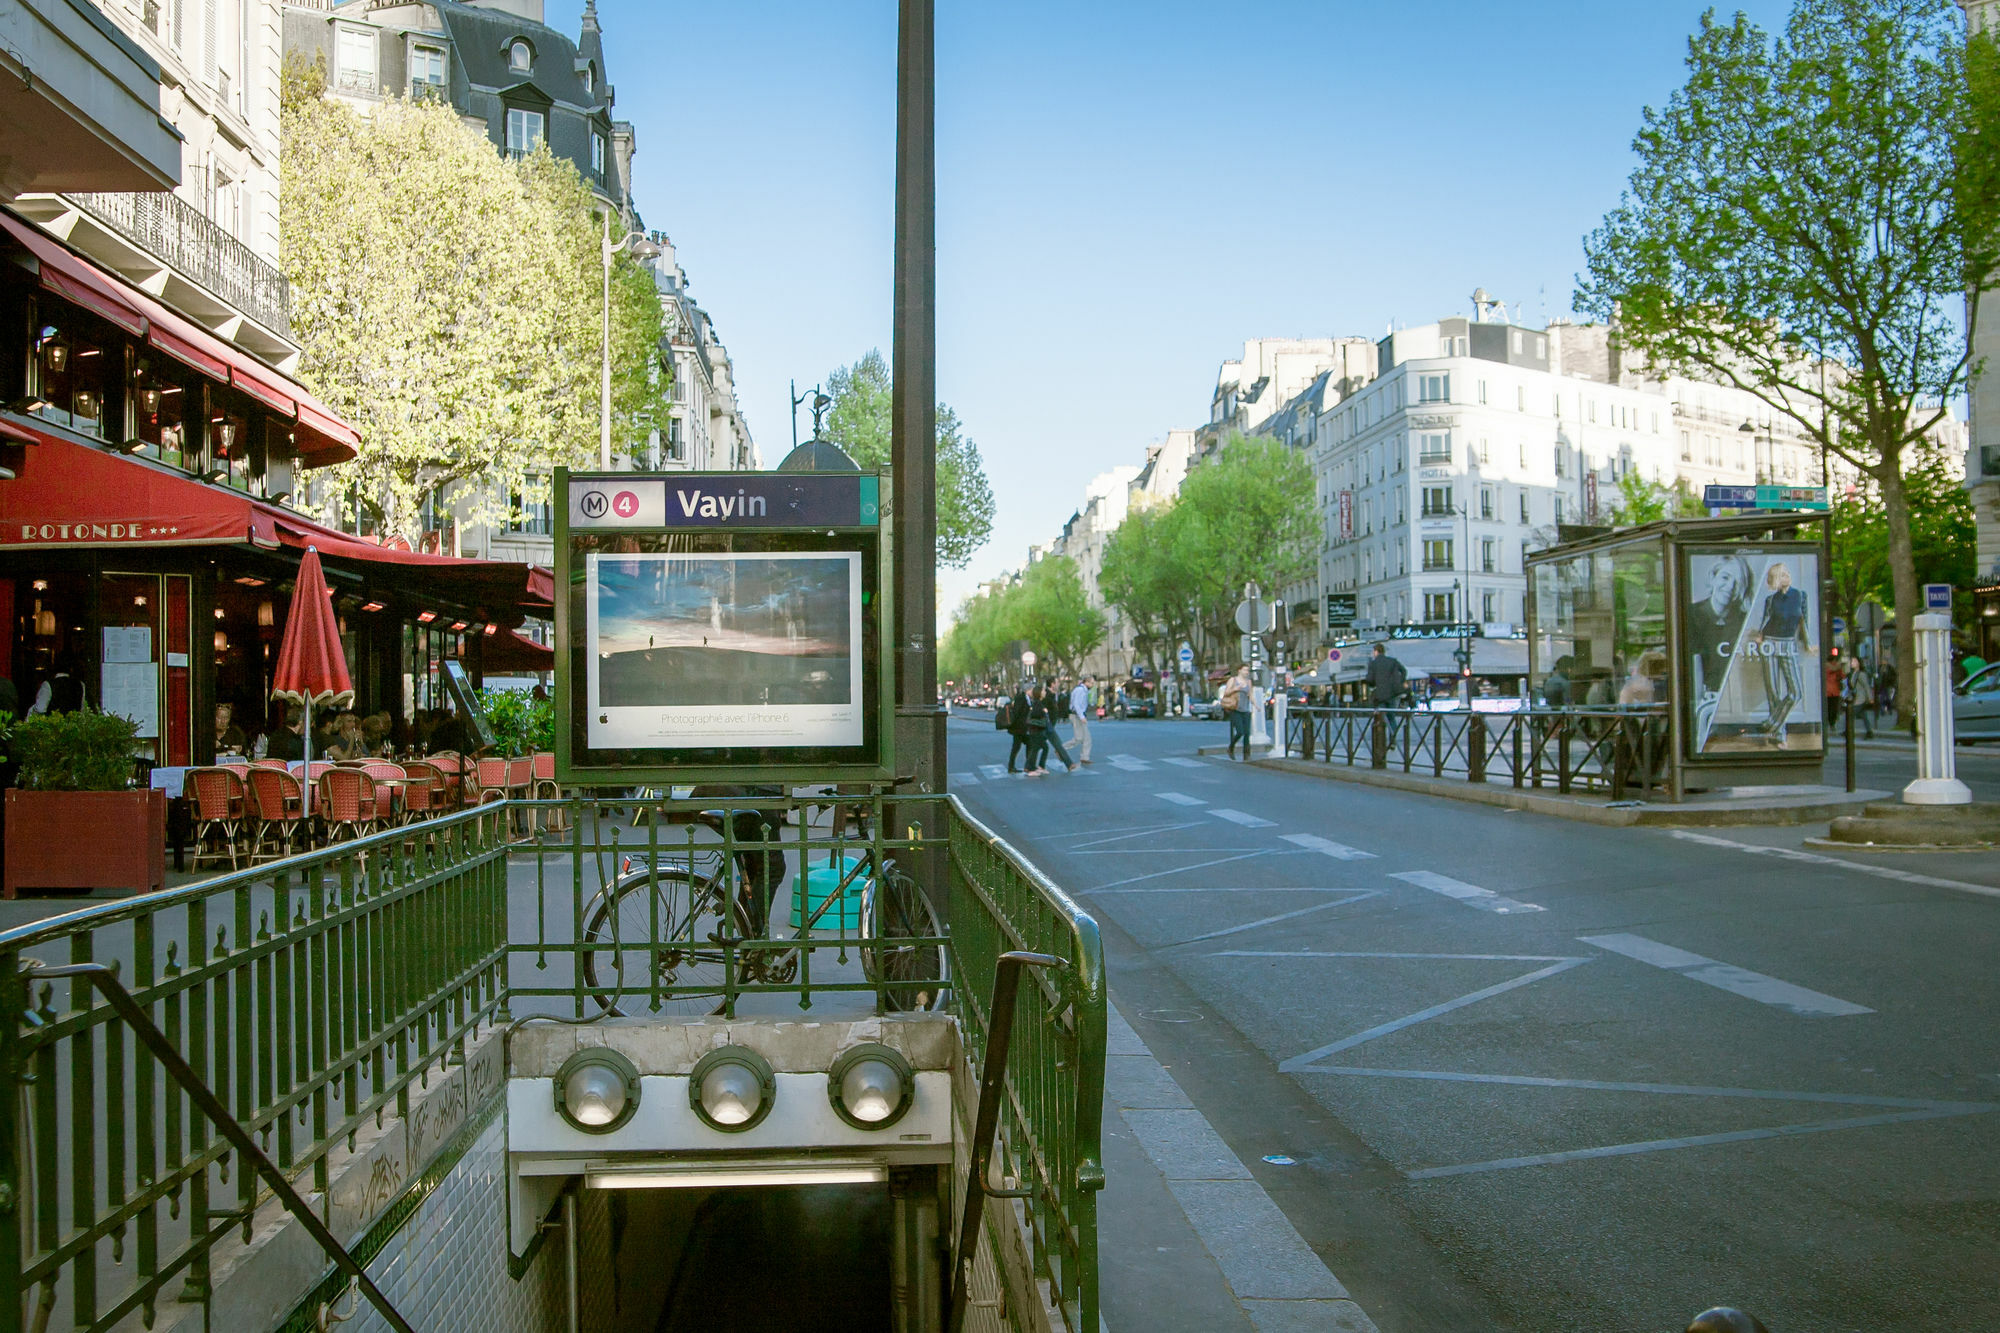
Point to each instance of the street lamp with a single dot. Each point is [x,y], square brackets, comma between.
[645,249]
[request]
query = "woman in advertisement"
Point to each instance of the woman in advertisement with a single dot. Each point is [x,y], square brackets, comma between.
[1783,646]
[1712,626]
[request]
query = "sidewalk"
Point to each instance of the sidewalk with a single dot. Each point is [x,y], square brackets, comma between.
[1186,1237]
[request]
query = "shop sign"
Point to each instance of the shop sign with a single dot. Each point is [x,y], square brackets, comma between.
[1435,630]
[132,530]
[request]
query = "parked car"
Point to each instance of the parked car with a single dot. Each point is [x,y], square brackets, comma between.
[1975,706]
[1209,710]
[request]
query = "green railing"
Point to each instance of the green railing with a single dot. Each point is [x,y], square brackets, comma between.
[309,994]
[312,993]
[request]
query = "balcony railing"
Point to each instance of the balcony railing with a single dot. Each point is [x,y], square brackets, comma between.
[179,236]
[429,90]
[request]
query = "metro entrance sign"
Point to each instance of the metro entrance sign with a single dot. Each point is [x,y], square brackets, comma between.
[1764,497]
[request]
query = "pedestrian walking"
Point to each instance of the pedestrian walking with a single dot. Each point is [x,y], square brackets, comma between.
[1235,701]
[1386,680]
[1037,707]
[1017,726]
[1058,698]
[1858,692]
[1079,719]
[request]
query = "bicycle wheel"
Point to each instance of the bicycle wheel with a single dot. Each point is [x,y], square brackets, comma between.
[686,966]
[894,908]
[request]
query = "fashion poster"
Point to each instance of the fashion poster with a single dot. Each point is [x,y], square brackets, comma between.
[743,650]
[1750,631]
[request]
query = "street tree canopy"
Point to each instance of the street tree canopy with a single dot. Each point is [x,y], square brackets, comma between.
[860,422]
[1807,214]
[451,313]
[1046,610]
[1245,515]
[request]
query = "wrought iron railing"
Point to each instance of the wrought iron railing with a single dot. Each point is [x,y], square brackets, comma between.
[177,234]
[1608,749]
[313,992]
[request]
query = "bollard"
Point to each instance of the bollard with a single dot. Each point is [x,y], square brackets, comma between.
[1258,735]
[1378,741]
[1475,748]
[1723,1319]
[1937,781]
[1280,702]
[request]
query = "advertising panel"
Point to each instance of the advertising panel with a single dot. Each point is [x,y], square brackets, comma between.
[723,650]
[1750,639]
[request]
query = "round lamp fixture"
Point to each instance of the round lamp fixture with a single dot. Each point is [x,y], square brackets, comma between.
[732,1089]
[871,1086]
[597,1090]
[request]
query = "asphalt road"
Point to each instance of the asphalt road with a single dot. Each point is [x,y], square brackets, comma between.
[1540,1075]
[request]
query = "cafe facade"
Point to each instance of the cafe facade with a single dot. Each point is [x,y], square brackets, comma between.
[150,474]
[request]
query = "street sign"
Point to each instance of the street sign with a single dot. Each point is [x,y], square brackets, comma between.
[1266,621]
[1764,497]
[1937,597]
[1187,657]
[1333,654]
[1729,497]
[1868,618]
[1340,609]
[1840,625]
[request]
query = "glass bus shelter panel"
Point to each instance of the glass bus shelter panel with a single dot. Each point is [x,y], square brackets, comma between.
[1601,619]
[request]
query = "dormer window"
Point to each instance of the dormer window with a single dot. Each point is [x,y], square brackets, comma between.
[589,79]
[520,56]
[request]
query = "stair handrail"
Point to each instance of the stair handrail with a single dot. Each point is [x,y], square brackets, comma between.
[986,1122]
[177,1068]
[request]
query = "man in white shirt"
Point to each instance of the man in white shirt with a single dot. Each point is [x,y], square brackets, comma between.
[1079,720]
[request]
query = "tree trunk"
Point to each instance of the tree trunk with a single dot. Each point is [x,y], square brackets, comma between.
[1903,580]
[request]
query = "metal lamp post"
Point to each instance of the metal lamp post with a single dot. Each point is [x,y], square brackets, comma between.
[644,250]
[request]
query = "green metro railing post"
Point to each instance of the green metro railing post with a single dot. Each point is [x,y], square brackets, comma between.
[14,1220]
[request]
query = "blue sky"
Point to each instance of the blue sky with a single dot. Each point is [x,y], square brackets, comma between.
[1126,191]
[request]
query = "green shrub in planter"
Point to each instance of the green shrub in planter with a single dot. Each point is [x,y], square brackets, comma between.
[81,751]
[522,723]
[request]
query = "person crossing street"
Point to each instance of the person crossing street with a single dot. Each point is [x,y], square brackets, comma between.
[1079,719]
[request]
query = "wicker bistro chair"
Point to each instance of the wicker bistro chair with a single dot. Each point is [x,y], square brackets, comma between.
[347,802]
[427,793]
[277,801]
[389,799]
[451,764]
[546,789]
[217,804]
[484,781]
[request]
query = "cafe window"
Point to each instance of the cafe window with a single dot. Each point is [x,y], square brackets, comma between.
[166,402]
[78,364]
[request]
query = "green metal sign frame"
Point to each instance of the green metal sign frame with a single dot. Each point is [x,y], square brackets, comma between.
[831,512]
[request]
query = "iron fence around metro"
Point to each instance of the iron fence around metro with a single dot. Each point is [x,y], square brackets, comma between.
[312,993]
[1609,749]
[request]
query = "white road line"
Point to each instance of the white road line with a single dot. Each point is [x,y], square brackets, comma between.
[1094,832]
[994,771]
[1303,1063]
[1693,1141]
[1136,833]
[1435,957]
[966,779]
[1723,976]
[1860,868]
[1247,821]
[1126,763]
[1272,920]
[1665,1089]
[1179,761]
[1470,894]
[1179,798]
[1178,870]
[1312,842]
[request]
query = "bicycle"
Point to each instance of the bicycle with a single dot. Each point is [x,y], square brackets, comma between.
[664,935]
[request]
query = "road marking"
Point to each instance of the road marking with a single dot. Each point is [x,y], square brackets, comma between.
[1247,821]
[1261,888]
[1338,851]
[1136,833]
[1272,920]
[1663,1089]
[966,779]
[1126,763]
[1439,957]
[1132,829]
[1723,976]
[1302,1063]
[1470,894]
[1692,1141]
[1808,858]
[1179,798]
[1178,870]
[1179,761]
[994,771]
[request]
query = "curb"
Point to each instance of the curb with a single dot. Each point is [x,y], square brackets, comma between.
[1830,845]
[1772,810]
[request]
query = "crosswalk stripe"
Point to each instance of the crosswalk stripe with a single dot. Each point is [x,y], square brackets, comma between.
[1179,798]
[1470,894]
[1181,761]
[1339,851]
[1723,976]
[1247,821]
[994,771]
[966,779]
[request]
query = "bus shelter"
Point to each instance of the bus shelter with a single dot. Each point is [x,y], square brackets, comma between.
[1723,620]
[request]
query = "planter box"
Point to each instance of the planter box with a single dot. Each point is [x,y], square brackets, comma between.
[86,840]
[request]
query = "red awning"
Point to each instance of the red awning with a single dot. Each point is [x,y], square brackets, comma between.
[510,651]
[321,437]
[75,278]
[497,589]
[68,494]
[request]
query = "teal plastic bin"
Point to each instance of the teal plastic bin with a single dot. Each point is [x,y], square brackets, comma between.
[822,882]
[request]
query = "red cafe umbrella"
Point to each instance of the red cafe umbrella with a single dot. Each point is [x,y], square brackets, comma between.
[311,667]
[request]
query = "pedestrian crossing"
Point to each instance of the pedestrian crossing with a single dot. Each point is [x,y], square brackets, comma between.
[1179,798]
[1339,851]
[1246,820]
[1181,761]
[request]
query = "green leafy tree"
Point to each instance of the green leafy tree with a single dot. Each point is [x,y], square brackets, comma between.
[1642,501]
[1805,218]
[1943,534]
[1145,575]
[1050,610]
[859,422]
[452,312]
[1245,516]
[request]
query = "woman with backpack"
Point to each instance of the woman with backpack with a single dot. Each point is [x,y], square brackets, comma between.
[1038,724]
[1235,701]
[1012,717]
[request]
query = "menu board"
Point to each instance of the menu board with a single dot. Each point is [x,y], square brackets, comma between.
[132,690]
[128,643]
